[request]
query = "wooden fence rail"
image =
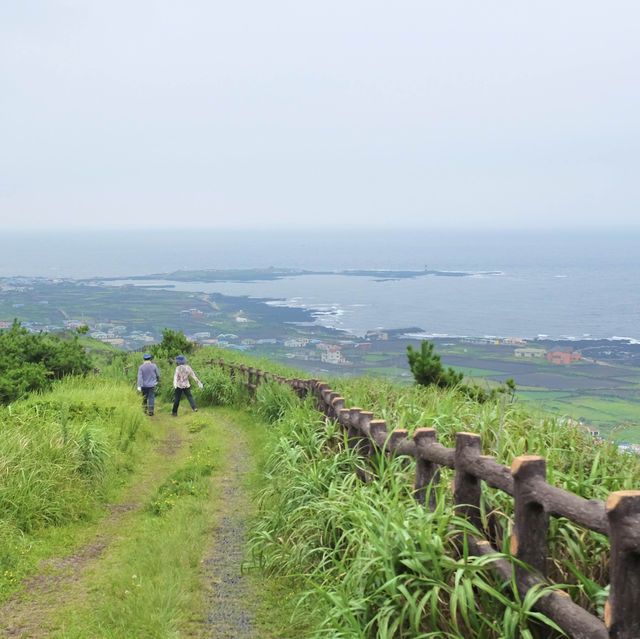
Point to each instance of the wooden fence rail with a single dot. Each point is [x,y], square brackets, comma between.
[535,501]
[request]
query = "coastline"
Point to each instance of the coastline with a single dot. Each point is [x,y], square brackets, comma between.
[297,310]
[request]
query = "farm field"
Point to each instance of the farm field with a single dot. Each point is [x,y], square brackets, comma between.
[604,394]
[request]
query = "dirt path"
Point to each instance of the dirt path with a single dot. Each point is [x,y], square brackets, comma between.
[227,593]
[27,614]
[228,590]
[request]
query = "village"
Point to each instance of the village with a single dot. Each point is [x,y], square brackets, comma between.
[592,379]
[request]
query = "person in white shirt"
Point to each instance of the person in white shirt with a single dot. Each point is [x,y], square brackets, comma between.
[182,385]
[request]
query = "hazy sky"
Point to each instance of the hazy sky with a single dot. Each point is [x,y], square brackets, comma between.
[334,113]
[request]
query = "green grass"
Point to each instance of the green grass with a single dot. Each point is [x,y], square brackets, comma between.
[376,357]
[613,415]
[374,563]
[388,371]
[133,593]
[64,453]
[358,548]
[331,556]
[469,371]
[163,475]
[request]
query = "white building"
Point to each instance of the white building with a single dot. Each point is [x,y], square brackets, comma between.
[297,342]
[333,356]
[529,352]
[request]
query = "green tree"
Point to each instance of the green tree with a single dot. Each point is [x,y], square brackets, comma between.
[427,368]
[173,343]
[29,362]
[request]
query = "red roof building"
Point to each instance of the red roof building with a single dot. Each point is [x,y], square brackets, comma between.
[563,357]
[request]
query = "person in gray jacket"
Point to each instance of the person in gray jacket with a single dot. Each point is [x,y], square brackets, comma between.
[148,378]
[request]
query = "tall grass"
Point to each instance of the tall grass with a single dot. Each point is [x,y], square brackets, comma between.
[376,562]
[380,565]
[60,453]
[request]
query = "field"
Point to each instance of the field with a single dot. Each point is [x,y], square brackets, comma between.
[600,393]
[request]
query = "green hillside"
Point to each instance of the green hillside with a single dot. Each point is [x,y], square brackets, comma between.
[124,515]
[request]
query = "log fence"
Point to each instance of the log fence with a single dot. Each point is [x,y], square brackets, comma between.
[535,501]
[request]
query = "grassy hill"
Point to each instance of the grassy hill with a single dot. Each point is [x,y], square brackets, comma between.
[340,557]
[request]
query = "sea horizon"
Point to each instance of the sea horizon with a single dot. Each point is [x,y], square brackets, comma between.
[575,286]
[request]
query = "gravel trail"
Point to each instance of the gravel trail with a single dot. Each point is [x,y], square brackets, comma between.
[229,594]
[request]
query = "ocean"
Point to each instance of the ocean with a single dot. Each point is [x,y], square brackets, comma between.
[569,285]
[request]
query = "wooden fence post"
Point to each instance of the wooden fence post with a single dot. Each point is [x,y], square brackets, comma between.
[622,612]
[299,387]
[329,396]
[397,435]
[529,539]
[337,406]
[467,487]
[426,472]
[352,427]
[365,447]
[378,432]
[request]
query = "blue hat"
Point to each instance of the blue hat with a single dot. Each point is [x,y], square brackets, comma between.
[146,356]
[181,359]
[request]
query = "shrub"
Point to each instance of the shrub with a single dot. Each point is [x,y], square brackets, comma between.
[173,343]
[428,370]
[29,362]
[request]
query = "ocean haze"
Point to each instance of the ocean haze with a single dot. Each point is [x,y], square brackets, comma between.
[114,253]
[280,113]
[561,285]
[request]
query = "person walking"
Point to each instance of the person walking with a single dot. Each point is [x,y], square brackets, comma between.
[181,384]
[148,378]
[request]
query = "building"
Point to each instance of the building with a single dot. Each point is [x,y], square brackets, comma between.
[514,341]
[529,352]
[628,449]
[333,356]
[479,340]
[377,335]
[563,357]
[296,342]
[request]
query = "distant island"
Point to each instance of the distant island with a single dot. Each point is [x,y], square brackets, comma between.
[272,273]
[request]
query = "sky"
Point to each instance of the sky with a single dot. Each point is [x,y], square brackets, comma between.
[335,114]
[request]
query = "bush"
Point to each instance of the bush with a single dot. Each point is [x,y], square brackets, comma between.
[29,362]
[428,370]
[173,343]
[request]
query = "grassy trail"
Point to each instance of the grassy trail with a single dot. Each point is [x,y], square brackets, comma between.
[175,572]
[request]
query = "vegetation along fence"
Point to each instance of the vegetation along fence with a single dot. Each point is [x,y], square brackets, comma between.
[534,502]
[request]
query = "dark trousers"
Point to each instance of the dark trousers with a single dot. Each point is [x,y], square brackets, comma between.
[178,395]
[148,395]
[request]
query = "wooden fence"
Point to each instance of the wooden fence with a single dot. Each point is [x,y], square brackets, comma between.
[534,502]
